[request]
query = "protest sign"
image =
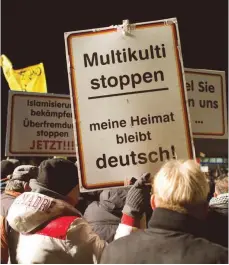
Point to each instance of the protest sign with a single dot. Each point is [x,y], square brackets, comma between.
[129,101]
[39,125]
[207,103]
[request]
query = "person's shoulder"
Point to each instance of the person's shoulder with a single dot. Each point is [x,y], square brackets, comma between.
[219,253]
[209,244]
[126,241]
[218,212]
[92,205]
[6,200]
[58,227]
[92,211]
[80,228]
[211,250]
[151,235]
[6,196]
[116,251]
[3,196]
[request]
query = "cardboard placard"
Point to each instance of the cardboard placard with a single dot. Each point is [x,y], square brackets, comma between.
[39,125]
[129,101]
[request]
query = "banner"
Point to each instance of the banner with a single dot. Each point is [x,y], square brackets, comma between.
[29,79]
[129,101]
[39,125]
[207,103]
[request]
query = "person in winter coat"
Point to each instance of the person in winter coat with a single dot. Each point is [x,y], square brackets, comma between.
[17,183]
[105,215]
[174,235]
[48,227]
[217,221]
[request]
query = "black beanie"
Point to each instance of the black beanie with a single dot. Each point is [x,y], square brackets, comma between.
[7,168]
[59,175]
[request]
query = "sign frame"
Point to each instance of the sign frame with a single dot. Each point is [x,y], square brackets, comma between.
[84,186]
[9,131]
[221,75]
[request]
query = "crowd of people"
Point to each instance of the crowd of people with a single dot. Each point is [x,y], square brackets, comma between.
[179,215]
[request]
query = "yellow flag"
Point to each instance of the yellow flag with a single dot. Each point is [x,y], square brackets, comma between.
[29,79]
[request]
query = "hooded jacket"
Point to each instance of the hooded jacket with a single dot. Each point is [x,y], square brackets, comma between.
[49,230]
[105,216]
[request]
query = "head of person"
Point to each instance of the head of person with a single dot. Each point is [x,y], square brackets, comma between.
[221,185]
[61,176]
[7,168]
[181,186]
[19,180]
[113,200]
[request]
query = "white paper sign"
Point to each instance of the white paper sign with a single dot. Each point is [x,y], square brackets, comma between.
[207,103]
[39,125]
[129,101]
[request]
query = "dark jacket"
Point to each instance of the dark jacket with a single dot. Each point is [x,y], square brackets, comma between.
[104,216]
[217,221]
[171,238]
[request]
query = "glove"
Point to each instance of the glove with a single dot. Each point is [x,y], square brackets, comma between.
[134,205]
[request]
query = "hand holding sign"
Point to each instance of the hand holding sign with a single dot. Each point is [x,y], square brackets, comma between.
[134,205]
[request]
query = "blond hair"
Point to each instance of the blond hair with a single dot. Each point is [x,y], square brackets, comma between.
[180,184]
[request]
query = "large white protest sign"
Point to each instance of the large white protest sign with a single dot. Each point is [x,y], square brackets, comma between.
[129,101]
[207,103]
[39,125]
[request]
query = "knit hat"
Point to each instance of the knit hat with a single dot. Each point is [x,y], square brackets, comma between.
[59,175]
[25,173]
[7,168]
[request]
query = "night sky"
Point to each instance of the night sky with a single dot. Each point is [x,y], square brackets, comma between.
[33,32]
